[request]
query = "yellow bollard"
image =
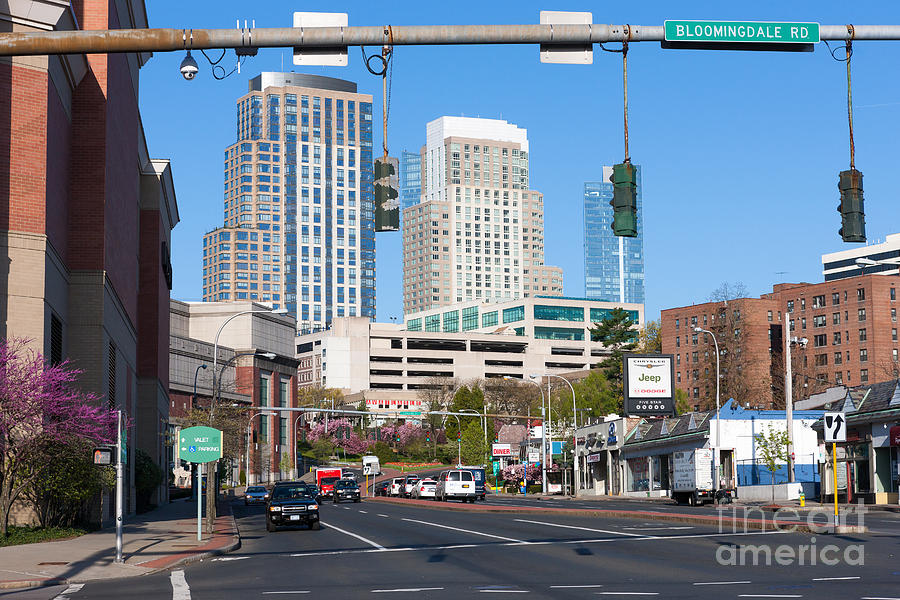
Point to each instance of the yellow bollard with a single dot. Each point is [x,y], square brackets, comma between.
[802,499]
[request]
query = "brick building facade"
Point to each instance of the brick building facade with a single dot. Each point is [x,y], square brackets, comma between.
[850,326]
[86,218]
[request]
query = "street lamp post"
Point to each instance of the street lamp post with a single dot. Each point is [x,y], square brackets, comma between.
[197,372]
[789,393]
[543,436]
[472,411]
[294,457]
[250,440]
[213,467]
[574,429]
[716,457]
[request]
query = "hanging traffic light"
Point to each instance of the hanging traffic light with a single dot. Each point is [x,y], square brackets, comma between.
[853,216]
[624,202]
[387,203]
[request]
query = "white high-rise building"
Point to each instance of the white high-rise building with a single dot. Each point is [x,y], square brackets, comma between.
[883,258]
[478,232]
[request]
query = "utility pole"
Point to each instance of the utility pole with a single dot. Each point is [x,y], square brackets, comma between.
[788,396]
[120,486]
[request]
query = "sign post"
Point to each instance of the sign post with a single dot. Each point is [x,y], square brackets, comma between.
[121,452]
[200,445]
[835,431]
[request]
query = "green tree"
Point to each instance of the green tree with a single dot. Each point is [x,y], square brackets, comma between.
[323,449]
[616,333]
[473,446]
[649,340]
[595,393]
[682,402]
[467,398]
[286,464]
[771,445]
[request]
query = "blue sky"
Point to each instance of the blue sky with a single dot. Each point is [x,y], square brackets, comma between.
[740,150]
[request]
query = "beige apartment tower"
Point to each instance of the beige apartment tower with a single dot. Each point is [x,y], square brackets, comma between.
[478,231]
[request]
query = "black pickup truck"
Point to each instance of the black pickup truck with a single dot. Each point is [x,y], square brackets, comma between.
[292,503]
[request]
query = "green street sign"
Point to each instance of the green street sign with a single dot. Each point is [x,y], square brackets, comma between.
[410,413]
[200,444]
[742,32]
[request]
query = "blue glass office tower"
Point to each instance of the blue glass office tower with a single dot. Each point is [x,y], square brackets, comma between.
[410,180]
[299,227]
[613,266]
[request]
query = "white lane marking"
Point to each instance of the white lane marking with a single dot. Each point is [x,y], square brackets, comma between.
[835,578]
[878,598]
[770,595]
[564,587]
[504,591]
[72,589]
[351,534]
[406,590]
[628,593]
[657,528]
[289,592]
[496,537]
[385,516]
[180,588]
[227,558]
[545,543]
[720,582]
[363,512]
[580,528]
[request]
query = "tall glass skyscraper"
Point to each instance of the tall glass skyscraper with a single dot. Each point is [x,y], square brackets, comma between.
[613,266]
[410,179]
[299,227]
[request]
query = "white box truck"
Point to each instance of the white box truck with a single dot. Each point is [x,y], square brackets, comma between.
[693,477]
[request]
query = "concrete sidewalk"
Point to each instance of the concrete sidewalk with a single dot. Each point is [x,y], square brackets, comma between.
[156,540]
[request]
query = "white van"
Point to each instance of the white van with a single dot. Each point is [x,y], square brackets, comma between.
[371,465]
[456,483]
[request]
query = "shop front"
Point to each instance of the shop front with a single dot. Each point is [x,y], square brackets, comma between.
[597,451]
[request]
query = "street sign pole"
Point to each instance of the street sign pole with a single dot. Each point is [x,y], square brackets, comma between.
[120,486]
[200,501]
[834,473]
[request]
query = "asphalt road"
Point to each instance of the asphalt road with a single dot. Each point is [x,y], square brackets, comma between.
[409,552]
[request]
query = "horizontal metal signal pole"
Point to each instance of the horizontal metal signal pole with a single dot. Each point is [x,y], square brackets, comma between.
[167,40]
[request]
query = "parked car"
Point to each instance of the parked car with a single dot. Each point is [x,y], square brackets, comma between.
[382,488]
[456,483]
[346,489]
[255,493]
[425,488]
[396,486]
[292,503]
[409,482]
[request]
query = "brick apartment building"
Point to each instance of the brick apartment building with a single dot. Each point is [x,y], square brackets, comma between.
[850,326]
[85,219]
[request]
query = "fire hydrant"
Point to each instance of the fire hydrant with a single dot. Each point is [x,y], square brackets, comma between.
[802,499]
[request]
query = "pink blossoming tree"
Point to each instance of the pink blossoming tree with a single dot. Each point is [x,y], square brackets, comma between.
[40,406]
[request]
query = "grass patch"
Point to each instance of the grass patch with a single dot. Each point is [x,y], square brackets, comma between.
[34,535]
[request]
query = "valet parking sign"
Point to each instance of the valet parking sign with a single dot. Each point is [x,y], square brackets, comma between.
[648,385]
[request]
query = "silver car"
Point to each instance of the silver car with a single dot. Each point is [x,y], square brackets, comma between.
[255,493]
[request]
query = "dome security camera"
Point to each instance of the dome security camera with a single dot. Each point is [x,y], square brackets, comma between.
[189,67]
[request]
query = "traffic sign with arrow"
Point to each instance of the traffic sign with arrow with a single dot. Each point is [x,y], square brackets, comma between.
[835,427]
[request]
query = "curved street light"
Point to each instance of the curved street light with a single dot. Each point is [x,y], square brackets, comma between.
[250,440]
[196,372]
[543,430]
[716,457]
[574,430]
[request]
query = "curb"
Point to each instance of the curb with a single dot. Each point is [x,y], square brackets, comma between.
[22,584]
[763,525]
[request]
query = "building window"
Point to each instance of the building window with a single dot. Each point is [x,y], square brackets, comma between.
[819,321]
[837,358]
[511,315]
[677,323]
[863,355]
[558,313]
[894,315]
[862,335]
[283,398]
[860,294]
[264,391]
[894,334]
[835,299]
[893,293]
[863,375]
[694,339]
[470,318]
[821,360]
[283,431]
[861,314]
[802,303]
[678,376]
[790,306]
[803,323]
[818,301]
[432,323]
[820,340]
[769,315]
[559,333]
[678,341]
[696,392]
[895,354]
[837,339]
[838,378]
[836,318]
[451,321]
[414,324]
[489,319]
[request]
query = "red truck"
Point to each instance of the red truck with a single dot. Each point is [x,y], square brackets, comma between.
[325,478]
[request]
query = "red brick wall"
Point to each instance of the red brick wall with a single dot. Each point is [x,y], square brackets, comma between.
[23,137]
[58,159]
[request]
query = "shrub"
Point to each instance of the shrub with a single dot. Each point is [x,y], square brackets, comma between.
[147,477]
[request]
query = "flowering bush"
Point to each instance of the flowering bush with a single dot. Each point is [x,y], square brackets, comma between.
[514,472]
